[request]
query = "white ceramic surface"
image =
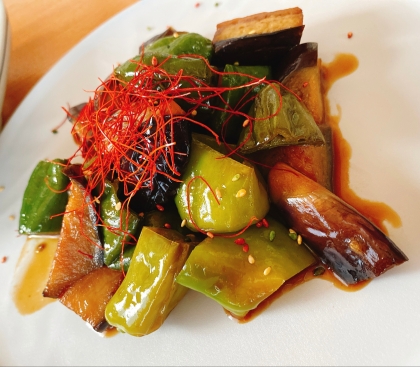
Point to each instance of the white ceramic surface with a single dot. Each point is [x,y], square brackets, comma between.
[315,324]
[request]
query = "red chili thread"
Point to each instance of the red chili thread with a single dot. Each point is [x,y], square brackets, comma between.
[85,254]
[245,248]
[115,121]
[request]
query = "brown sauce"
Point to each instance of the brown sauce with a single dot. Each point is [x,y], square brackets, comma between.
[31,274]
[377,212]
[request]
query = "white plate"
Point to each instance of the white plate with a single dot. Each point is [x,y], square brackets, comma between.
[315,324]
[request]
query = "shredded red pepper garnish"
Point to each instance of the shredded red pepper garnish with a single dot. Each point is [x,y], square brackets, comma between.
[115,121]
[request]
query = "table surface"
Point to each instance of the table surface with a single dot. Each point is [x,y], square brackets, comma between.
[42,31]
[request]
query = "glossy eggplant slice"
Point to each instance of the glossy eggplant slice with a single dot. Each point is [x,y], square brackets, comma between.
[161,186]
[300,56]
[352,246]
[314,161]
[258,49]
[303,78]
[167,32]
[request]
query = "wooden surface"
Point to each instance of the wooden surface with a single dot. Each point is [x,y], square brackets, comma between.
[42,31]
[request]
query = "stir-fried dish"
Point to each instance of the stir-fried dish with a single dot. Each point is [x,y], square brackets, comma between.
[202,165]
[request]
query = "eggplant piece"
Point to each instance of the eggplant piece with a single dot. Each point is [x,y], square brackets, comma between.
[314,161]
[79,250]
[258,49]
[300,72]
[304,55]
[89,296]
[167,32]
[352,246]
[264,22]
[161,186]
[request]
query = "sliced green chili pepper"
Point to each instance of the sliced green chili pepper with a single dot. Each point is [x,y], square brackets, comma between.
[172,65]
[219,194]
[120,227]
[182,44]
[233,127]
[149,292]
[279,122]
[238,280]
[45,198]
[169,218]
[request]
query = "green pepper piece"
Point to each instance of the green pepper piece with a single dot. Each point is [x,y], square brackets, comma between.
[221,270]
[172,65]
[232,128]
[44,199]
[279,122]
[125,262]
[149,292]
[241,195]
[183,44]
[158,219]
[120,226]
[166,50]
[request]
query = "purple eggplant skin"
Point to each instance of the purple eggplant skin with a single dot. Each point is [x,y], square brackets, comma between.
[347,242]
[301,56]
[258,49]
[161,187]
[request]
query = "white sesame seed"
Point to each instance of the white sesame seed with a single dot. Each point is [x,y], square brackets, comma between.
[11,217]
[267,270]
[241,193]
[2,188]
[218,193]
[252,31]
[236,177]
[183,223]
[299,239]
[118,206]
[291,230]
[251,259]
